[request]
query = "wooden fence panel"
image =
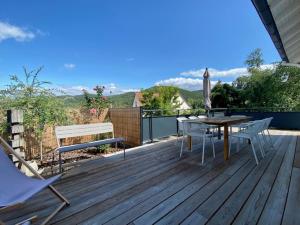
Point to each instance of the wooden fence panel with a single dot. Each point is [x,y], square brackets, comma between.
[127,124]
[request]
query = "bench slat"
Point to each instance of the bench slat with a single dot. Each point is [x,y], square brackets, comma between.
[89,144]
[82,130]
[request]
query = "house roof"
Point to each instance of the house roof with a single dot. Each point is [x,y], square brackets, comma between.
[282,21]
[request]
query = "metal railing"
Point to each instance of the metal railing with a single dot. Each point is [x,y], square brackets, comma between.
[161,123]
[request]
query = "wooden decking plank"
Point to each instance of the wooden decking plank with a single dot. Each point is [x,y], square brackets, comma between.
[98,193]
[139,210]
[176,181]
[229,210]
[252,209]
[292,210]
[168,205]
[87,200]
[182,178]
[152,186]
[86,188]
[274,208]
[190,204]
[240,174]
[297,154]
[122,196]
[211,205]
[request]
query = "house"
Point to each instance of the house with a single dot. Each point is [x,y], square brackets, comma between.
[138,98]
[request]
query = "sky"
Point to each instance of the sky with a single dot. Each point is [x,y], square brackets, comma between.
[129,45]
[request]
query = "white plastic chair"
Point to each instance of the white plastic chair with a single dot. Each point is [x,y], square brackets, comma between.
[210,125]
[180,126]
[201,131]
[266,129]
[250,132]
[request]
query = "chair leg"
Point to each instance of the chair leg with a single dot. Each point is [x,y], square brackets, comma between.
[253,150]
[59,161]
[229,150]
[260,147]
[59,208]
[270,139]
[181,147]
[264,138]
[27,221]
[203,149]
[213,146]
[123,150]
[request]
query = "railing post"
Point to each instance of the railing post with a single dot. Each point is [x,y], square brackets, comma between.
[177,125]
[141,126]
[150,127]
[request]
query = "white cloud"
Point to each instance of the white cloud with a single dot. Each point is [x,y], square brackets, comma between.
[215,73]
[184,83]
[69,66]
[73,90]
[8,31]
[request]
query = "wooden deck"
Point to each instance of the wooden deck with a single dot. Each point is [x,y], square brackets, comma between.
[152,186]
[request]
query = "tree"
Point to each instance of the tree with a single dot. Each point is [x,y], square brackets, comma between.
[254,60]
[225,95]
[39,103]
[96,104]
[164,98]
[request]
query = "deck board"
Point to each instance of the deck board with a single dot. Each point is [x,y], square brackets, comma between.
[153,186]
[228,211]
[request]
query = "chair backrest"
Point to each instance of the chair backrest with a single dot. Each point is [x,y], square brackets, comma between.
[11,178]
[62,132]
[268,121]
[255,127]
[198,128]
[180,122]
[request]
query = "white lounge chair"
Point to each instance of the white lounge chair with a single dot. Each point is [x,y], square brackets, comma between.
[16,187]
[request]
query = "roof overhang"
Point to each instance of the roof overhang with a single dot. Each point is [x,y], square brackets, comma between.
[282,20]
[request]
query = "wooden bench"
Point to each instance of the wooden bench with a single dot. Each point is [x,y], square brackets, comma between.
[63,132]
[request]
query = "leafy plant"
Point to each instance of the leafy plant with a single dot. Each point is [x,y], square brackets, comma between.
[39,103]
[96,104]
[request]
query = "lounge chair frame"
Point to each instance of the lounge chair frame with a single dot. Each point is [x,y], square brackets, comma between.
[64,200]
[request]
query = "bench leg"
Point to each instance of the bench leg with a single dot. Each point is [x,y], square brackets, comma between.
[59,161]
[123,150]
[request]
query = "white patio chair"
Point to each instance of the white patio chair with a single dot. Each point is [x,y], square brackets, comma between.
[16,187]
[238,126]
[211,126]
[180,126]
[250,132]
[201,131]
[267,134]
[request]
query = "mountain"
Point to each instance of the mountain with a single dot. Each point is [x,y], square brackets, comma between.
[118,101]
[126,99]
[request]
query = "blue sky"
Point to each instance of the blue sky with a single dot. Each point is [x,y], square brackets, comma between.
[132,44]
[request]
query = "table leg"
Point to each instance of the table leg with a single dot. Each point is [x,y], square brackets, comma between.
[219,132]
[189,140]
[226,146]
